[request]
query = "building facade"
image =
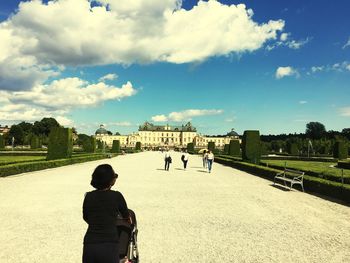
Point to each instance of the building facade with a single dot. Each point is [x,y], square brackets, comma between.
[151,135]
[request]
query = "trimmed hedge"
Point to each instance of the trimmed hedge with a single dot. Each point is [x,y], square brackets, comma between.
[190,147]
[35,142]
[211,146]
[2,142]
[311,184]
[340,150]
[60,143]
[344,164]
[89,144]
[26,153]
[292,148]
[234,148]
[251,146]
[226,149]
[115,146]
[138,146]
[12,169]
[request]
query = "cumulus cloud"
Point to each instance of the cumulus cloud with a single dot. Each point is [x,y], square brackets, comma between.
[110,76]
[345,111]
[282,72]
[64,121]
[286,41]
[340,67]
[347,44]
[124,32]
[185,115]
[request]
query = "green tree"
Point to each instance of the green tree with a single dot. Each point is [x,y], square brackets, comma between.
[211,146]
[138,146]
[340,150]
[315,130]
[115,146]
[190,147]
[45,126]
[2,142]
[16,132]
[35,142]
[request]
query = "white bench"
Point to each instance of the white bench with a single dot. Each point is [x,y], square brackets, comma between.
[291,176]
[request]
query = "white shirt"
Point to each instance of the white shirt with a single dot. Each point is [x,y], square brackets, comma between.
[186,155]
[210,156]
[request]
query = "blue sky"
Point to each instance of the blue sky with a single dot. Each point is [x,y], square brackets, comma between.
[218,64]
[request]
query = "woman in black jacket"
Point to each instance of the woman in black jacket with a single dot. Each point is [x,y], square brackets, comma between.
[100,210]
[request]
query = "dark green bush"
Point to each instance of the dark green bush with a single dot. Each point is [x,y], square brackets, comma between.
[251,146]
[35,142]
[340,150]
[138,146]
[234,148]
[2,142]
[190,147]
[115,146]
[344,164]
[226,149]
[60,143]
[211,146]
[89,144]
[292,148]
[18,168]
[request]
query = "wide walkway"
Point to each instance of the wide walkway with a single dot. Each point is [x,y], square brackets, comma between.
[183,216]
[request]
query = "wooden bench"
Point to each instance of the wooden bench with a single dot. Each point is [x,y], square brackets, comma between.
[291,176]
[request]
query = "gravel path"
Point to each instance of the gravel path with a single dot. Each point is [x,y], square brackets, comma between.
[183,216]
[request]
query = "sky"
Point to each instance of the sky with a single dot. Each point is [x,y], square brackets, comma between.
[267,65]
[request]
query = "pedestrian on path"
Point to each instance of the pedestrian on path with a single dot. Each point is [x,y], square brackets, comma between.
[100,211]
[184,159]
[205,159]
[210,159]
[167,160]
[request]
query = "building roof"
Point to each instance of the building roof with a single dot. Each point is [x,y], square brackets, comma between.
[101,130]
[147,126]
[232,133]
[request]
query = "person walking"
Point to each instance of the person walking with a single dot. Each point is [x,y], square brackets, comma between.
[100,210]
[184,159]
[210,159]
[205,159]
[167,160]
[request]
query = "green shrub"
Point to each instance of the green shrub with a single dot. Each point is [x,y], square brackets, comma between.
[190,147]
[292,148]
[211,146]
[89,144]
[99,144]
[340,150]
[2,142]
[344,164]
[60,143]
[35,142]
[251,146]
[234,148]
[226,149]
[138,146]
[18,168]
[115,146]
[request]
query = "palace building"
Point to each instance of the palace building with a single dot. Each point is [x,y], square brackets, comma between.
[151,135]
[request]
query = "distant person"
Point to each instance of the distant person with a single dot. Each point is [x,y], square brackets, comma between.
[205,159]
[100,211]
[184,159]
[167,160]
[210,159]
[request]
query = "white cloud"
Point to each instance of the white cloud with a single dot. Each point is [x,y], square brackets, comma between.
[347,44]
[282,72]
[302,102]
[64,121]
[68,33]
[284,36]
[285,41]
[340,67]
[185,115]
[345,111]
[110,76]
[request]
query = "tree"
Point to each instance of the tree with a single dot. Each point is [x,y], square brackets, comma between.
[346,133]
[117,133]
[2,142]
[16,132]
[45,126]
[315,130]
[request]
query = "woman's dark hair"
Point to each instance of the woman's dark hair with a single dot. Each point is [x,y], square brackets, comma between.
[103,176]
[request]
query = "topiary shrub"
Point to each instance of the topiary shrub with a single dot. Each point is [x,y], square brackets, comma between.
[115,146]
[2,142]
[60,143]
[340,150]
[251,146]
[89,144]
[138,146]
[211,146]
[234,148]
[292,148]
[35,142]
[190,147]
[226,149]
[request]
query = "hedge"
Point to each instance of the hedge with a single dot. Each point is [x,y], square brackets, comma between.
[35,142]
[234,148]
[211,146]
[344,164]
[2,142]
[89,144]
[295,158]
[226,149]
[26,153]
[311,184]
[340,150]
[190,147]
[115,146]
[60,143]
[292,148]
[138,146]
[12,169]
[251,150]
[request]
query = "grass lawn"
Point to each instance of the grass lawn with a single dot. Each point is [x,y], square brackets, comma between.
[16,159]
[318,167]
